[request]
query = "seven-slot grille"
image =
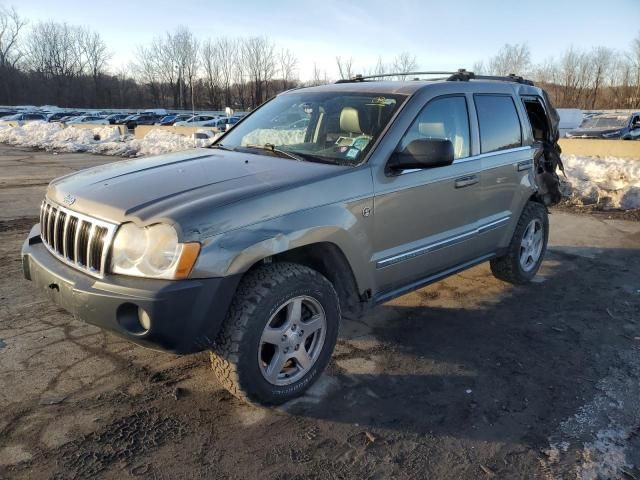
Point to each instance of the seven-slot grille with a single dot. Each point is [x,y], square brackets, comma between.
[81,241]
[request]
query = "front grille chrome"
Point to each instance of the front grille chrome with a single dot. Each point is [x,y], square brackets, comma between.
[78,240]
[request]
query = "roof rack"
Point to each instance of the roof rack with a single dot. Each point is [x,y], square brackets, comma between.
[463,76]
[459,76]
[361,78]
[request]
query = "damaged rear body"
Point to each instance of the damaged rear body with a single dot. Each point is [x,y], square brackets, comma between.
[544,121]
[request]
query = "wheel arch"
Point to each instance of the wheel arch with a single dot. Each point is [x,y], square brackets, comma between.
[330,261]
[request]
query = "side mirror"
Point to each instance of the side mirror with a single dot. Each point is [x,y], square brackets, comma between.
[424,153]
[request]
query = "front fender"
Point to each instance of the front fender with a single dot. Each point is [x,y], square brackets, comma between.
[343,225]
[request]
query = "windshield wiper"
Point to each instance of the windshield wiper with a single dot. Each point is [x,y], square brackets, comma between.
[299,156]
[270,147]
[221,147]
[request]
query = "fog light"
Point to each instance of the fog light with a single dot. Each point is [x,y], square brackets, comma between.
[143,317]
[133,319]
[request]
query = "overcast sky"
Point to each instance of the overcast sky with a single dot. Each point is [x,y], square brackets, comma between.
[443,34]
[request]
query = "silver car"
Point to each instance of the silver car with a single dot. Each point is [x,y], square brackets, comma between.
[256,248]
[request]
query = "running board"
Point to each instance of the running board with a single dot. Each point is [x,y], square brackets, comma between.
[423,282]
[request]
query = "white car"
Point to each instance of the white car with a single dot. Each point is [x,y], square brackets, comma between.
[90,119]
[196,121]
[20,119]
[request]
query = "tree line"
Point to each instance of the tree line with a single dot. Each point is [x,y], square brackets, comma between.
[66,65]
[600,78]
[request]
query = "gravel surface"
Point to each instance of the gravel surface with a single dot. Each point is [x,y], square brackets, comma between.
[468,378]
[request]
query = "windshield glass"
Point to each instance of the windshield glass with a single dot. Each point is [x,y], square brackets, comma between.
[605,122]
[332,127]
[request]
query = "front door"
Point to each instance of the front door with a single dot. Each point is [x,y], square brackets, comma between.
[424,220]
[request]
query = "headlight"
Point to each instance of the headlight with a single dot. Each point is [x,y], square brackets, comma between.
[153,252]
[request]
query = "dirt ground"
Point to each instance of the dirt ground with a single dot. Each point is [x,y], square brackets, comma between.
[469,378]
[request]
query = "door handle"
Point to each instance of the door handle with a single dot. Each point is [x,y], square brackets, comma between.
[466,181]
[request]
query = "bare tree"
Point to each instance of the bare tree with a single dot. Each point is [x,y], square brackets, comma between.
[634,58]
[287,64]
[11,24]
[211,65]
[319,76]
[601,61]
[403,63]
[514,59]
[345,68]
[260,63]
[95,56]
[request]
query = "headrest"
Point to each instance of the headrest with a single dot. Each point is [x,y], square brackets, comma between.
[432,129]
[350,120]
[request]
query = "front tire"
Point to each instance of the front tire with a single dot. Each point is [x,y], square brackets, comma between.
[279,334]
[527,248]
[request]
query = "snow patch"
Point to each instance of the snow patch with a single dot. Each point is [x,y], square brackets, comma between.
[593,443]
[606,181]
[104,140]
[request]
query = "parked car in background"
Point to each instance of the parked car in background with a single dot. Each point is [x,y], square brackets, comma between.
[621,126]
[172,118]
[142,119]
[114,117]
[6,113]
[88,119]
[196,121]
[570,119]
[124,120]
[57,116]
[222,124]
[20,119]
[64,116]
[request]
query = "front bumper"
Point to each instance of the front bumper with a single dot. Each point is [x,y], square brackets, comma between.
[185,315]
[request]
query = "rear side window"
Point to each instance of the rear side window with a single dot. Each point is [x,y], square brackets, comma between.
[498,121]
[446,118]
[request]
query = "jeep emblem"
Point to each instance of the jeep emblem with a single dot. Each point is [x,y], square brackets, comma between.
[69,199]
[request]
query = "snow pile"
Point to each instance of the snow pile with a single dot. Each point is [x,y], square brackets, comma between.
[54,136]
[609,181]
[157,142]
[105,140]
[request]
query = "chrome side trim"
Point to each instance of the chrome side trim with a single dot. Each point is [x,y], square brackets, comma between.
[386,296]
[447,242]
[492,154]
[474,157]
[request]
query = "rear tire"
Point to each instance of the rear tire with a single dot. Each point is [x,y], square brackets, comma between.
[263,353]
[527,248]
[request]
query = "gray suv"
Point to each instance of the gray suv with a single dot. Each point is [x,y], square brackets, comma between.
[256,248]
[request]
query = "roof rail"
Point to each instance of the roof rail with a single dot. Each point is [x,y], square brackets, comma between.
[461,75]
[361,78]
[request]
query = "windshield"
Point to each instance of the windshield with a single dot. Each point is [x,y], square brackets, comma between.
[605,122]
[331,127]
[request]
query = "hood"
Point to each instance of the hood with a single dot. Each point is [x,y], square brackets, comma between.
[164,186]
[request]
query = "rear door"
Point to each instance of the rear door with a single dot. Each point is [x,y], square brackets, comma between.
[424,219]
[506,163]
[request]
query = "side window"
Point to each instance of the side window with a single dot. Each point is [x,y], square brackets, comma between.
[498,121]
[444,117]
